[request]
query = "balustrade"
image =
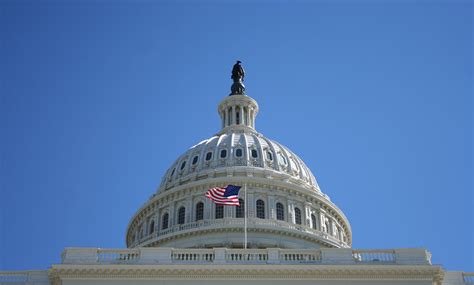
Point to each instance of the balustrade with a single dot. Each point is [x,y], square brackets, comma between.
[468,278]
[192,255]
[374,256]
[118,256]
[232,222]
[300,256]
[13,277]
[247,256]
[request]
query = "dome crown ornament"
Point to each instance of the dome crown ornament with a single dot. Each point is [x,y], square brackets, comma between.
[238,74]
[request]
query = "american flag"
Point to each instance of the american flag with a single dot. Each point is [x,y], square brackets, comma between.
[228,195]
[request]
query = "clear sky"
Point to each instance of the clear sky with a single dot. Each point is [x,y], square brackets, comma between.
[98,98]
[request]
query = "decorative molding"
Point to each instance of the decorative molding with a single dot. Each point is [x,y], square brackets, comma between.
[248,272]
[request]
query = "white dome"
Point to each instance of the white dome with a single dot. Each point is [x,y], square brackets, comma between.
[238,148]
[284,206]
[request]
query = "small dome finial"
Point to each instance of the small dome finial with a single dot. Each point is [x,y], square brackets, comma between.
[238,74]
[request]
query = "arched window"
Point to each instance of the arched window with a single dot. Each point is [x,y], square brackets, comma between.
[181,215]
[152,227]
[313,221]
[199,211]
[219,211]
[165,220]
[260,209]
[298,216]
[280,212]
[239,210]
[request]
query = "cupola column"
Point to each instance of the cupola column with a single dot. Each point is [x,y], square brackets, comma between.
[244,105]
[233,115]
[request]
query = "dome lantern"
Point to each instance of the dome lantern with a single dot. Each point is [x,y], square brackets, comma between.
[238,109]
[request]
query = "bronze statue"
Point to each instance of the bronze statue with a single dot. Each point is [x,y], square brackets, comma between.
[238,74]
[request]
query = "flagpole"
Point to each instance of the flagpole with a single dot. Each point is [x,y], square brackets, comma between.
[245,216]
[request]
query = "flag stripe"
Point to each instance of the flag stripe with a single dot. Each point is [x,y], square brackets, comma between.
[224,196]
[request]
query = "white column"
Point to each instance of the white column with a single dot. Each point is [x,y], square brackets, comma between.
[189,210]
[251,204]
[226,117]
[233,115]
[250,117]
[307,214]
[171,215]
[271,207]
[290,212]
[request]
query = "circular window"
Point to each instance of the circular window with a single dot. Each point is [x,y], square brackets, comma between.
[254,153]
[224,153]
[238,152]
[209,155]
[269,155]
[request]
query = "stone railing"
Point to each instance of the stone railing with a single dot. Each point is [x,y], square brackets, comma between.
[379,256]
[32,277]
[247,256]
[468,277]
[238,222]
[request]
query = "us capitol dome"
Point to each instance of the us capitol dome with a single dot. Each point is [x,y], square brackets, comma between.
[285,206]
[295,234]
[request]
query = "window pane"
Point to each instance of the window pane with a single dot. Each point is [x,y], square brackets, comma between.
[223,153]
[280,212]
[152,227]
[254,153]
[199,211]
[181,215]
[260,209]
[269,155]
[239,210]
[297,216]
[164,223]
[208,156]
[219,211]
[195,159]
[238,152]
[313,221]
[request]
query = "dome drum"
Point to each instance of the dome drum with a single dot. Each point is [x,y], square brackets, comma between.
[320,223]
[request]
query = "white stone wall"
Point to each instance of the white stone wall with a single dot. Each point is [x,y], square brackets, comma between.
[335,234]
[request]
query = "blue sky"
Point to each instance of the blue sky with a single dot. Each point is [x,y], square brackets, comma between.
[99,98]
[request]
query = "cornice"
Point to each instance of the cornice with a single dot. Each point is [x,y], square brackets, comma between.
[324,242]
[249,272]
